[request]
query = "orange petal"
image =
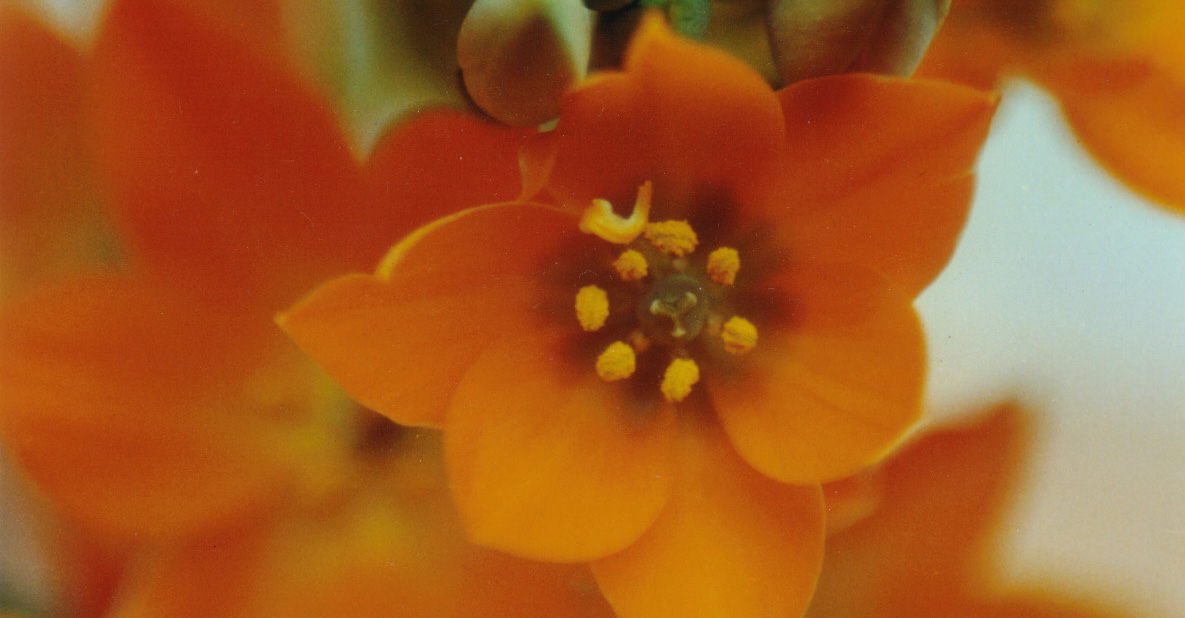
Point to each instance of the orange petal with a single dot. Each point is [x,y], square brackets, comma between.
[879,172]
[399,342]
[851,500]
[1129,113]
[685,116]
[437,163]
[969,50]
[922,548]
[47,190]
[830,392]
[393,545]
[223,165]
[731,543]
[906,231]
[259,24]
[120,400]
[547,460]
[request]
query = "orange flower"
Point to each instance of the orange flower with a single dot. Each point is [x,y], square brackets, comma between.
[48,193]
[921,552]
[230,199]
[1116,68]
[158,402]
[594,372]
[388,544]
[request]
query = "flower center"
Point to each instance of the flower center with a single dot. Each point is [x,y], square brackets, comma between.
[672,311]
[676,298]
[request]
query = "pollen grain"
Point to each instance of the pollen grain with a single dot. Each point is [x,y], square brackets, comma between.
[739,335]
[723,264]
[617,362]
[631,265]
[592,307]
[681,375]
[673,237]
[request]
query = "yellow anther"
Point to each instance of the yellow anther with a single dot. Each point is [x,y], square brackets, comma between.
[592,307]
[631,265]
[681,375]
[617,362]
[739,335]
[599,218]
[674,237]
[723,264]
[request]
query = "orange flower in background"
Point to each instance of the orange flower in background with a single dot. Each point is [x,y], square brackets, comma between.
[661,391]
[230,199]
[157,401]
[923,550]
[49,201]
[389,543]
[1116,68]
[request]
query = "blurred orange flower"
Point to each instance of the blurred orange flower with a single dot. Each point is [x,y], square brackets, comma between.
[157,401]
[923,551]
[1116,68]
[775,247]
[48,194]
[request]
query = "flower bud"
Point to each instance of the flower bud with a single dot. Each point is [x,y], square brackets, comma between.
[811,38]
[518,57]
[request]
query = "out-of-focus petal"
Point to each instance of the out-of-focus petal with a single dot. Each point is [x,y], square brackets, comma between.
[547,460]
[258,23]
[47,190]
[222,164]
[730,544]
[400,341]
[850,500]
[1131,115]
[687,117]
[879,172]
[830,391]
[436,163]
[393,546]
[128,420]
[922,552]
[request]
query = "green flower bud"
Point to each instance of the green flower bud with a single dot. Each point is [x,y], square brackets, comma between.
[811,38]
[518,57]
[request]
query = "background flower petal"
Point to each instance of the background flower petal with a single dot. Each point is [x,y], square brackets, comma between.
[220,162]
[116,400]
[48,195]
[394,545]
[1130,113]
[438,162]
